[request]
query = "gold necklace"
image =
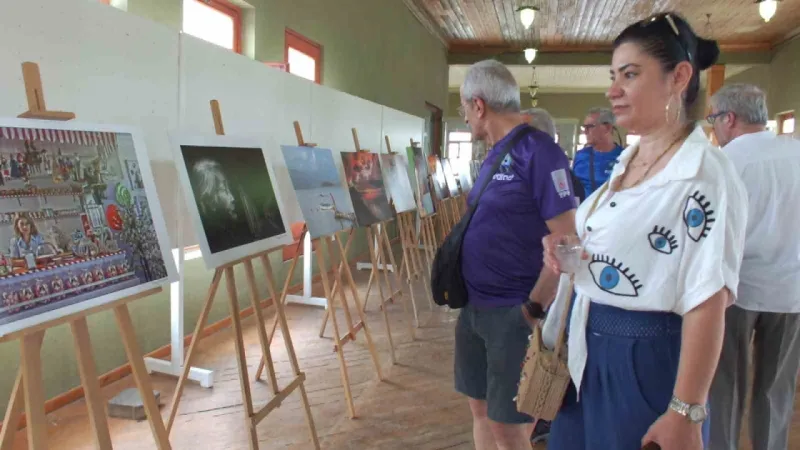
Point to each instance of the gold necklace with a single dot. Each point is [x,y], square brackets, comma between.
[650,167]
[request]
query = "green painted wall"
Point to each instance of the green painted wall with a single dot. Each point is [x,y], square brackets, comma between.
[784,91]
[372,49]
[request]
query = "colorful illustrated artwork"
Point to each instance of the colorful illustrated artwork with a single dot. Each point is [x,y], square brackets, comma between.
[362,171]
[76,225]
[395,174]
[232,197]
[423,185]
[324,202]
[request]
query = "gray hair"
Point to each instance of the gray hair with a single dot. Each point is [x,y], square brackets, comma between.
[541,120]
[604,115]
[492,82]
[747,101]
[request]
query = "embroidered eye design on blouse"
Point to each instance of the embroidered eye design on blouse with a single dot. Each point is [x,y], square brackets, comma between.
[697,216]
[610,276]
[662,240]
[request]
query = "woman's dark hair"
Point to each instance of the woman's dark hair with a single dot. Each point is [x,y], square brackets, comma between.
[668,38]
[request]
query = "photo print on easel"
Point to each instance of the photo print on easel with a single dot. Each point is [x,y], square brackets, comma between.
[437,178]
[362,171]
[324,202]
[71,233]
[231,195]
[395,174]
[423,186]
[450,178]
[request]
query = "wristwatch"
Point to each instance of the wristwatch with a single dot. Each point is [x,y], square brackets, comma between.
[693,413]
[535,310]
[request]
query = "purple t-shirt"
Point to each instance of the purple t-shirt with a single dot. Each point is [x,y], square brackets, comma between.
[502,248]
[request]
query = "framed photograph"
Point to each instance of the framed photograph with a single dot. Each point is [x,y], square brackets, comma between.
[72,235]
[450,178]
[437,177]
[324,201]
[362,171]
[232,196]
[395,174]
[423,185]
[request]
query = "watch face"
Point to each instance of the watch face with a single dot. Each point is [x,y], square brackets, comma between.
[697,414]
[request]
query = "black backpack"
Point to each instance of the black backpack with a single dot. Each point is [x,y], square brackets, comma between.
[447,282]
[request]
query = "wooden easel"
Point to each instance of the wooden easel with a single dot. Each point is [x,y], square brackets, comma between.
[411,259]
[28,391]
[252,417]
[338,290]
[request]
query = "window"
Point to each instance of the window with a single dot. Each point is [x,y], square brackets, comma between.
[786,123]
[631,139]
[772,125]
[557,136]
[459,148]
[581,142]
[215,21]
[303,56]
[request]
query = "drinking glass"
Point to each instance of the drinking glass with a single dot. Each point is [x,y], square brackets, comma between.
[568,253]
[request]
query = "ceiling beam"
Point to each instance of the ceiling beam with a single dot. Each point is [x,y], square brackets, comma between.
[598,55]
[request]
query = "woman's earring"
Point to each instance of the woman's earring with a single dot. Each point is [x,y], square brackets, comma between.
[666,109]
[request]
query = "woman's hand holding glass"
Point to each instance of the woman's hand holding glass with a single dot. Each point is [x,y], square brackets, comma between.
[563,253]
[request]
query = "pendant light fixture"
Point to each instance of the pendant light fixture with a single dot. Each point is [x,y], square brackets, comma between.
[526,15]
[767,9]
[530,54]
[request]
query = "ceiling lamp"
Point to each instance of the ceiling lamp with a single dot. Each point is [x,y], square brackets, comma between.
[530,54]
[767,9]
[526,15]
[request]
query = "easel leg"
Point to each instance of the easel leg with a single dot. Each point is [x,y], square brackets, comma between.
[91,388]
[409,262]
[260,326]
[414,249]
[360,309]
[241,360]
[31,360]
[373,245]
[16,404]
[335,285]
[390,253]
[198,329]
[280,314]
[338,282]
[284,293]
[339,351]
[141,376]
[374,261]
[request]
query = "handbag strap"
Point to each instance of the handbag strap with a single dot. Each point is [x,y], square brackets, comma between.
[562,327]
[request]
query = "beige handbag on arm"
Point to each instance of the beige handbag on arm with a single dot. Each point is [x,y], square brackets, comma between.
[545,375]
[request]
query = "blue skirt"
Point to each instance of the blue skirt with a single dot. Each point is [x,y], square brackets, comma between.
[627,384]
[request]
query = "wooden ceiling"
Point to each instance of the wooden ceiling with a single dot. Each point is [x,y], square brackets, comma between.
[591,25]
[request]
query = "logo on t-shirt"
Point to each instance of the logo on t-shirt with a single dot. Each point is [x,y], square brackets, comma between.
[560,182]
[504,171]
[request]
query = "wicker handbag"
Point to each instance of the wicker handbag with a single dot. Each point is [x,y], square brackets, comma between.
[545,376]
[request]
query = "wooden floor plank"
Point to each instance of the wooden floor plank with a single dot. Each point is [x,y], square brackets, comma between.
[415,408]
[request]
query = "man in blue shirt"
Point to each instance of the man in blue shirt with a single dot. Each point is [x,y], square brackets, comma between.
[593,164]
[530,197]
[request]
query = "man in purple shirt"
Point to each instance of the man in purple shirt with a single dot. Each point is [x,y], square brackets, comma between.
[529,197]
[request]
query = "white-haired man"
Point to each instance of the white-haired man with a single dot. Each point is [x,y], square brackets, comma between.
[593,163]
[529,197]
[767,310]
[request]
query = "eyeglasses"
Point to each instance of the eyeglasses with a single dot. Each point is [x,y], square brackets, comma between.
[588,126]
[461,111]
[711,118]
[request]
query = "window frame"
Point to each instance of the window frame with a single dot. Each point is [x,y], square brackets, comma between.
[295,40]
[232,11]
[784,116]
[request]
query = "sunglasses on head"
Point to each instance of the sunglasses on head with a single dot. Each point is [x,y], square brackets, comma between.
[673,26]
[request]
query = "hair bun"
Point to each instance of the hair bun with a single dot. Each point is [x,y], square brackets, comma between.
[707,53]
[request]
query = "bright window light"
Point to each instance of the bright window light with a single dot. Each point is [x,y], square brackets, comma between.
[302,65]
[459,136]
[631,139]
[582,139]
[209,24]
[556,137]
[788,126]
[452,149]
[772,125]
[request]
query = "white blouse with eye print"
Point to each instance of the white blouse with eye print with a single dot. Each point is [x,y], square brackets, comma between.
[667,244]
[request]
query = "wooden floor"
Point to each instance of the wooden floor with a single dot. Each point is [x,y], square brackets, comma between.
[415,408]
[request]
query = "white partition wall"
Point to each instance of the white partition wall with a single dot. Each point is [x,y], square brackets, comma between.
[401,127]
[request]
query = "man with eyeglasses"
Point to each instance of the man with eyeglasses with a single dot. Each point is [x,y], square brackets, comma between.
[764,324]
[593,164]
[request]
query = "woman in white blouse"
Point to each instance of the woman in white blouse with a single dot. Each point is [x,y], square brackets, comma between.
[663,244]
